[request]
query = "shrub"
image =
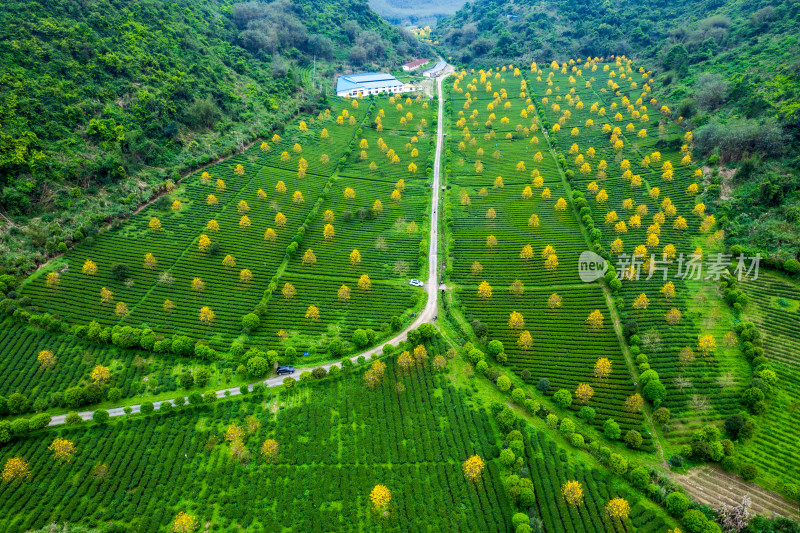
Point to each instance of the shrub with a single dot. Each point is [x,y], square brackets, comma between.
[250,321]
[617,463]
[677,504]
[730,464]
[518,395]
[748,472]
[567,427]
[640,477]
[552,421]
[146,408]
[503,383]
[576,439]
[611,429]
[563,397]
[543,385]
[633,439]
[654,392]
[100,416]
[507,457]
[73,419]
[519,519]
[258,366]
[661,415]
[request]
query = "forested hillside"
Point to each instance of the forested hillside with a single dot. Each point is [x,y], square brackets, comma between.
[103,100]
[733,67]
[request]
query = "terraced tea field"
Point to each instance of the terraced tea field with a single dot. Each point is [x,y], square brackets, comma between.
[336,441]
[775,308]
[197,262]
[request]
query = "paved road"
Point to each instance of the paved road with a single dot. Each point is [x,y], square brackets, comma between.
[428,314]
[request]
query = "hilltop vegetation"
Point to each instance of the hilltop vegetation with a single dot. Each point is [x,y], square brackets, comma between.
[103,100]
[731,68]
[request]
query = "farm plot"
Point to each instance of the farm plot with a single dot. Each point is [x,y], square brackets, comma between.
[167,288]
[550,469]
[73,362]
[546,332]
[365,242]
[360,214]
[314,144]
[635,170]
[198,260]
[407,114]
[775,309]
[336,441]
[390,155]
[290,320]
[509,233]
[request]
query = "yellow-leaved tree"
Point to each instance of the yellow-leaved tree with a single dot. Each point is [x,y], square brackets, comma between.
[584,392]
[63,450]
[516,320]
[100,375]
[312,313]
[473,468]
[16,470]
[288,291]
[618,508]
[89,267]
[595,319]
[525,340]
[484,290]
[573,493]
[380,496]
[270,450]
[46,359]
[206,315]
[602,368]
[184,523]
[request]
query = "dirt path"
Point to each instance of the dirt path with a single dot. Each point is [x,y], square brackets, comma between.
[646,413]
[713,486]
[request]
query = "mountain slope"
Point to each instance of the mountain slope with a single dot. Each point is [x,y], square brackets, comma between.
[102,100]
[732,68]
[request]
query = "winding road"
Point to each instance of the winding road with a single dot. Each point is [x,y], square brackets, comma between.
[428,314]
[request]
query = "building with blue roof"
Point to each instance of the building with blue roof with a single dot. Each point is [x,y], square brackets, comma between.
[365,83]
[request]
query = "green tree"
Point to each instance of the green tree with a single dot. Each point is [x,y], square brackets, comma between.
[258,366]
[186,380]
[100,417]
[563,397]
[677,504]
[17,403]
[611,429]
[503,383]
[202,376]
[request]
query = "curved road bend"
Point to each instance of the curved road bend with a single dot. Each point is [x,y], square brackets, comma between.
[428,314]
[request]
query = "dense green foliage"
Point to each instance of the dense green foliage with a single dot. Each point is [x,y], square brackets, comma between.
[337,439]
[101,101]
[732,67]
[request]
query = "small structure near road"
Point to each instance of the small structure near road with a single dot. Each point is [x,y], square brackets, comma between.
[414,65]
[435,70]
[366,83]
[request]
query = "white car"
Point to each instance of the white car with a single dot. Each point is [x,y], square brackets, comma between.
[416,283]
